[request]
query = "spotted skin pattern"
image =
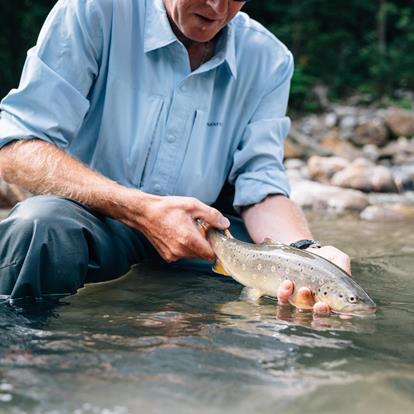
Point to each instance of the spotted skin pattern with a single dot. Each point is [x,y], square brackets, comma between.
[261,268]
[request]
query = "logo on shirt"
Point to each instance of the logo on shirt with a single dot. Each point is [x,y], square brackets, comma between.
[215,124]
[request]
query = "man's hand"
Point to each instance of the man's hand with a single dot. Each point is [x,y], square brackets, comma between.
[305,296]
[170,225]
[168,222]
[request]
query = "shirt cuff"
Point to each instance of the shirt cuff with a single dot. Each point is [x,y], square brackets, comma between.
[254,187]
[11,129]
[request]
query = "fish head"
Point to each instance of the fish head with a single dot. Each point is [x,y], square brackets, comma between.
[218,238]
[346,298]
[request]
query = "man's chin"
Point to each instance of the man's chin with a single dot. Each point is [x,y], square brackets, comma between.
[202,33]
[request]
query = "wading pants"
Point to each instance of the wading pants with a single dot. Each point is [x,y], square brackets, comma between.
[51,246]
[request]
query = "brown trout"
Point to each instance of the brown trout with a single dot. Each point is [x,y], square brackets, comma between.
[261,268]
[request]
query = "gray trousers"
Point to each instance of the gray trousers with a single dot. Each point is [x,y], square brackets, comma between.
[51,246]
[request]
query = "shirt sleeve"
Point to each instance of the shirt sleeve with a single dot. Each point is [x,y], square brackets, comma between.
[51,100]
[258,169]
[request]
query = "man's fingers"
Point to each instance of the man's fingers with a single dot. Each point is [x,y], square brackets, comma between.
[321,308]
[210,216]
[201,248]
[285,291]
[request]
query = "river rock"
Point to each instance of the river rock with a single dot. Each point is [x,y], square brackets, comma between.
[391,198]
[300,145]
[294,150]
[334,143]
[322,169]
[294,164]
[372,131]
[371,152]
[317,196]
[388,212]
[404,177]
[364,175]
[400,151]
[400,122]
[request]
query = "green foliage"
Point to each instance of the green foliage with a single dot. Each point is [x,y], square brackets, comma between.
[350,46]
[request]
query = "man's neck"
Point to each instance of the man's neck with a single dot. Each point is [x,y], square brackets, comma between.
[198,52]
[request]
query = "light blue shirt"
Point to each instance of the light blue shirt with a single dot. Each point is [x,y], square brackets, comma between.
[109,82]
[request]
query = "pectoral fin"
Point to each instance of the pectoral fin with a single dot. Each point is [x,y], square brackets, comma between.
[250,294]
[219,268]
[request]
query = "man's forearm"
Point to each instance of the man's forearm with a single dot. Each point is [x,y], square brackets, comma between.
[277,218]
[42,168]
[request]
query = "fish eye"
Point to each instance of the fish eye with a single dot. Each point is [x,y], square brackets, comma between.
[325,293]
[352,299]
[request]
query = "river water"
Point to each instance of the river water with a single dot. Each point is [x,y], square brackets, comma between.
[167,340]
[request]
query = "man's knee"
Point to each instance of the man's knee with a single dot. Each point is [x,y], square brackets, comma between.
[44,210]
[42,248]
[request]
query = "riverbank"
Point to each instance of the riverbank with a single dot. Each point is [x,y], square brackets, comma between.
[354,159]
[349,159]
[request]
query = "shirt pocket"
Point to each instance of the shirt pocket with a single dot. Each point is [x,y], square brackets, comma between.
[203,169]
[146,133]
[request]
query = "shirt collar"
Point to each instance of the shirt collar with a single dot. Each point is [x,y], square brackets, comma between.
[158,34]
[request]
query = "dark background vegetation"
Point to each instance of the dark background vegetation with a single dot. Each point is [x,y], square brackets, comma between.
[351,46]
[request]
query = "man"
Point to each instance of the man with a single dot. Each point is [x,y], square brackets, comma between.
[129,118]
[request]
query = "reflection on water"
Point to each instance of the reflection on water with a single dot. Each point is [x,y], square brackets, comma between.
[161,340]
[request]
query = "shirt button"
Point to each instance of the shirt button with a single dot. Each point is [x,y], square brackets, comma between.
[171,138]
[157,188]
[183,88]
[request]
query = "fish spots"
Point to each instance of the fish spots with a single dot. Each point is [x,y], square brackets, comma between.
[244,266]
[259,267]
[273,268]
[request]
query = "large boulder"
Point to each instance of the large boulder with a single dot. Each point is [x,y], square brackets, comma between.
[322,169]
[400,122]
[316,196]
[364,175]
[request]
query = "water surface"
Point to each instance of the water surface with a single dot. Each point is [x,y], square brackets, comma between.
[168,340]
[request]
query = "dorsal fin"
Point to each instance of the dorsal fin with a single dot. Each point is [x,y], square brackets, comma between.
[268,240]
[228,234]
